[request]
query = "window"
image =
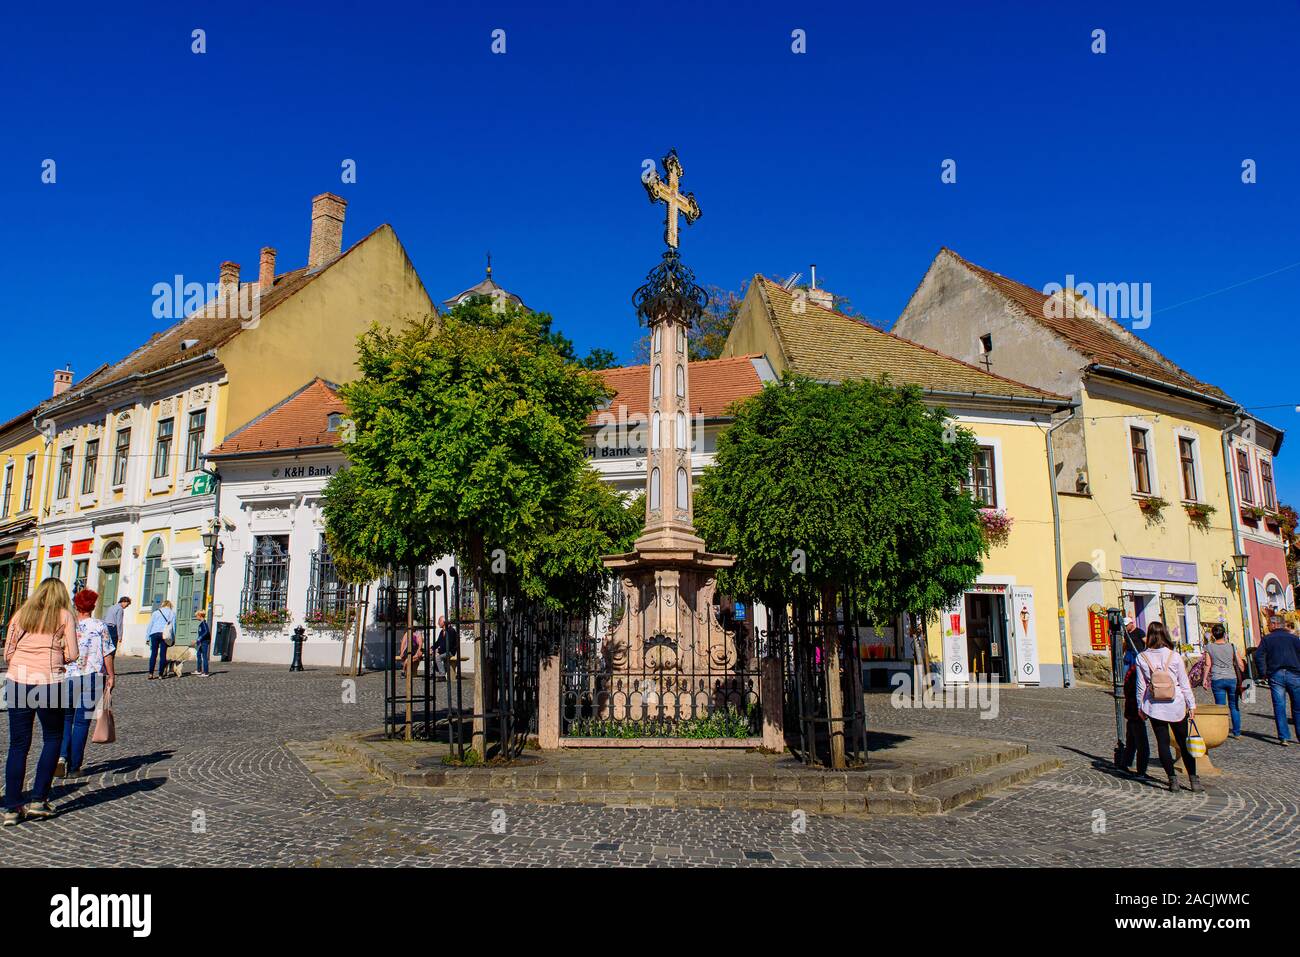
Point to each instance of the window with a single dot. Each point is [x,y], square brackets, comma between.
[681,430]
[54,570]
[681,382]
[266,575]
[89,466]
[1266,481]
[333,421]
[154,589]
[121,455]
[681,339]
[327,597]
[162,451]
[65,473]
[980,478]
[654,488]
[1244,477]
[9,487]
[683,482]
[1138,442]
[1187,461]
[656,383]
[658,338]
[29,480]
[986,343]
[80,569]
[654,431]
[194,440]
[394,592]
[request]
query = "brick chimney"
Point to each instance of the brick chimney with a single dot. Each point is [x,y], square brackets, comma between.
[266,270]
[62,380]
[229,284]
[326,229]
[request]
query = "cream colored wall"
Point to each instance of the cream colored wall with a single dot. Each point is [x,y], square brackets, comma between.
[314,333]
[1027,558]
[753,332]
[1107,525]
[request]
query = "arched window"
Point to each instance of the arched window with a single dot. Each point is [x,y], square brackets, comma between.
[658,338]
[656,383]
[654,431]
[654,488]
[682,483]
[154,589]
[681,431]
[681,340]
[112,554]
[681,382]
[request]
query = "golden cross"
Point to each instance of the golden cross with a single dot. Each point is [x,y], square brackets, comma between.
[668,193]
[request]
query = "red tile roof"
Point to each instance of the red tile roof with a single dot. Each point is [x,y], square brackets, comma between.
[715,385]
[299,422]
[1092,333]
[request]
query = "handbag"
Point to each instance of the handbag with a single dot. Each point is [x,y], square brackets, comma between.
[1199,676]
[105,728]
[1195,743]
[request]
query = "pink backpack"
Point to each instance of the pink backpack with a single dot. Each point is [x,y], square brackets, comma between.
[1163,688]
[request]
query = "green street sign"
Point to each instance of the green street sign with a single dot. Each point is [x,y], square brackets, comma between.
[202,484]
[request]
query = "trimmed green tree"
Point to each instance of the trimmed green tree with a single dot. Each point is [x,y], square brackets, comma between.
[468,440]
[821,489]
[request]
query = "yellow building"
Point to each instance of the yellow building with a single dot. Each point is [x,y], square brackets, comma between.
[1004,625]
[125,500]
[23,459]
[1147,522]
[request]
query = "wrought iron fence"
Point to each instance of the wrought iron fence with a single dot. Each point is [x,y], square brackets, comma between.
[801,636]
[661,669]
[446,650]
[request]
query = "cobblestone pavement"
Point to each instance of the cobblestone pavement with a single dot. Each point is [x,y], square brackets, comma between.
[226,771]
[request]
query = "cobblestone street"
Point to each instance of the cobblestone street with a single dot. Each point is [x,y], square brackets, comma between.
[226,771]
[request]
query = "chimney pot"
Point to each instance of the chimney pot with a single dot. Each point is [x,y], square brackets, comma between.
[62,381]
[326,229]
[229,283]
[266,269]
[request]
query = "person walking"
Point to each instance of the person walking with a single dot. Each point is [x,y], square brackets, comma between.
[115,620]
[1135,726]
[1278,660]
[87,679]
[202,645]
[1165,696]
[161,625]
[1227,668]
[41,640]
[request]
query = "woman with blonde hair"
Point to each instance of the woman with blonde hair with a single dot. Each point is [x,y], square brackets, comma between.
[42,639]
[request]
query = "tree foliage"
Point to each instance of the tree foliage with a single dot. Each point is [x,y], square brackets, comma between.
[468,437]
[856,485]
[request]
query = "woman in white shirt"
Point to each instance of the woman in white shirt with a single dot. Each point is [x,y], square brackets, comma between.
[1167,716]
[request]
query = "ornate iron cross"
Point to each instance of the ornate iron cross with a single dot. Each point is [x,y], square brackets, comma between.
[668,193]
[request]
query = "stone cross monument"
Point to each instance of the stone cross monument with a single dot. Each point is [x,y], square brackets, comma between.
[669,635]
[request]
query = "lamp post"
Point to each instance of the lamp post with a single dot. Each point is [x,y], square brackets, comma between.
[209,539]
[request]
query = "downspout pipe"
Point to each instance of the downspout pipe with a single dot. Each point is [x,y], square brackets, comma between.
[1234,507]
[1067,664]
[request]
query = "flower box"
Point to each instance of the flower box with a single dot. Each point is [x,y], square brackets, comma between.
[997,525]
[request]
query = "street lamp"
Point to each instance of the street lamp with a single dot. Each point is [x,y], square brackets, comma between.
[1239,562]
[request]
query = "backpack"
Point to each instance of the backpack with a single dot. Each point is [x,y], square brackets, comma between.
[1163,689]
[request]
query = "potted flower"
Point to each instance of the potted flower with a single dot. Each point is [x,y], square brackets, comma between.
[264,619]
[997,525]
[1253,512]
[1199,512]
[1151,505]
[328,619]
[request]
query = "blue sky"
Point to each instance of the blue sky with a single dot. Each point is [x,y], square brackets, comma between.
[1122,167]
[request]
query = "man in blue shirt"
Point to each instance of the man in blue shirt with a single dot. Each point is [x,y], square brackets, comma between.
[1278,660]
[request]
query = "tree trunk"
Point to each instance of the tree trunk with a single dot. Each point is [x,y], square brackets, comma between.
[834,691]
[343,652]
[410,648]
[359,645]
[479,740]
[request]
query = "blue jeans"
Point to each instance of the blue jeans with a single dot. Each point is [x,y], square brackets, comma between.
[1225,692]
[157,649]
[202,655]
[83,697]
[1283,684]
[25,704]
